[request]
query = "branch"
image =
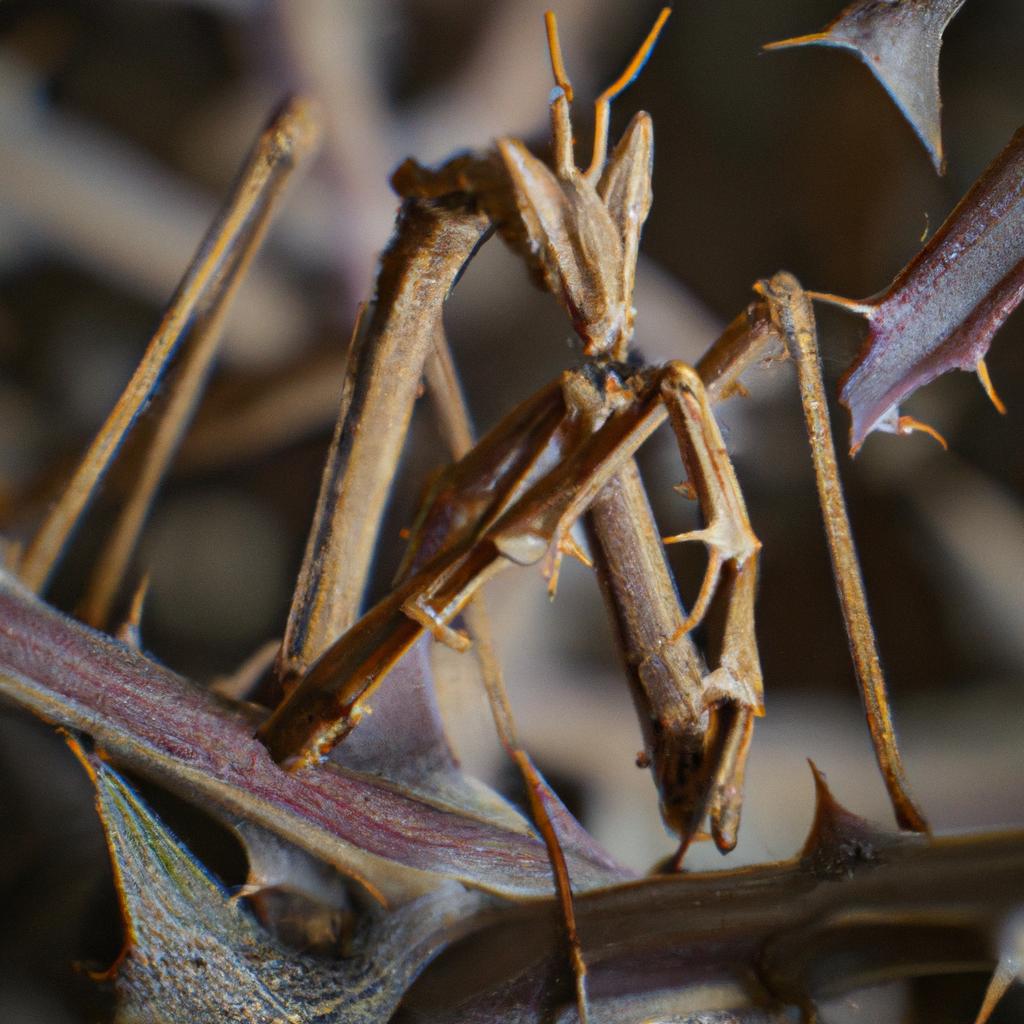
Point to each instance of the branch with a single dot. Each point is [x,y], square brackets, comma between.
[857,907]
[169,730]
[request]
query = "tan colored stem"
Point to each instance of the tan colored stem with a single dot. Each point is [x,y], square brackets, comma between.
[204,292]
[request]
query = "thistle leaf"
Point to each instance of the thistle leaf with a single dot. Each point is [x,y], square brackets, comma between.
[167,728]
[942,310]
[193,953]
[899,40]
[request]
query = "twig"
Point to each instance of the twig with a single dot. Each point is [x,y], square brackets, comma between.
[203,294]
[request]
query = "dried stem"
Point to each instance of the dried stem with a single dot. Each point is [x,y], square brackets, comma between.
[181,736]
[204,293]
[767,935]
[857,907]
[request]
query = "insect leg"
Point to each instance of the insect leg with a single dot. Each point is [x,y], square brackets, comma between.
[431,245]
[792,312]
[664,668]
[686,712]
[325,705]
[728,535]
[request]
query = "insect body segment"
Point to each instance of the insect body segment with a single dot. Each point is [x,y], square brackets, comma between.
[580,240]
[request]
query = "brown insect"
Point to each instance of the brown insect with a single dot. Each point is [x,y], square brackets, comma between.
[566,455]
[516,497]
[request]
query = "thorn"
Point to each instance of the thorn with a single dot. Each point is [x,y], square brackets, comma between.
[568,545]
[840,842]
[908,425]
[130,632]
[851,305]
[247,890]
[808,40]
[687,490]
[703,536]
[565,545]
[986,382]
[1007,971]
[1010,967]
[241,684]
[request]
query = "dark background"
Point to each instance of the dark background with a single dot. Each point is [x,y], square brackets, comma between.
[121,125]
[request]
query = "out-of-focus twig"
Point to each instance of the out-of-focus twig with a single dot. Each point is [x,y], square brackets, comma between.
[70,186]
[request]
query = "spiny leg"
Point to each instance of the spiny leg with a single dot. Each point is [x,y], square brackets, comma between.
[697,755]
[698,764]
[733,692]
[728,535]
[453,415]
[678,698]
[791,310]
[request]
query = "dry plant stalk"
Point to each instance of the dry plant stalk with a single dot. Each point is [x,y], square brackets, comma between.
[192,324]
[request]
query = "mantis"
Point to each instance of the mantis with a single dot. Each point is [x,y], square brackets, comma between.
[565,457]
[514,499]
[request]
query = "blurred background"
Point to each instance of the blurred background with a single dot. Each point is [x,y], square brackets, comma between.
[121,127]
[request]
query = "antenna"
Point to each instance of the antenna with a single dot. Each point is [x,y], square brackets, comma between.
[602,105]
[555,50]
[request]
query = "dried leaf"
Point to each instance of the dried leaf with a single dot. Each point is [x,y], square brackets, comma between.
[187,739]
[192,953]
[943,308]
[899,40]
